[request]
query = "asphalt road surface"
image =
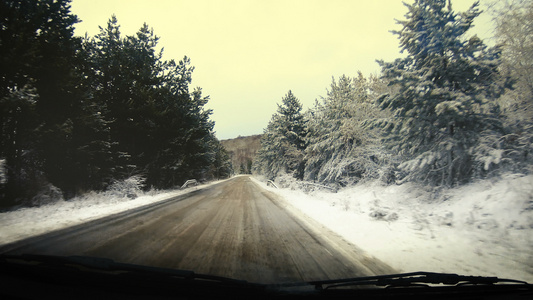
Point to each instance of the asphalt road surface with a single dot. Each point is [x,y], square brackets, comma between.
[234,229]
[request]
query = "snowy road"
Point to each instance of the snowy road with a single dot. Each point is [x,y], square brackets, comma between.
[235,229]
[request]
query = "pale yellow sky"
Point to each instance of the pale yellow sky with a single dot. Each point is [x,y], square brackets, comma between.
[248,54]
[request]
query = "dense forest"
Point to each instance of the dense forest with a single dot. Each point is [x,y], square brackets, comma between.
[80,113]
[451,110]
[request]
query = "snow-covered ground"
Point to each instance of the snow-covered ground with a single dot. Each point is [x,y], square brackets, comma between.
[27,222]
[484,228]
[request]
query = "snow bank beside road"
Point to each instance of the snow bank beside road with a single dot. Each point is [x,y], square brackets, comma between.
[27,222]
[484,228]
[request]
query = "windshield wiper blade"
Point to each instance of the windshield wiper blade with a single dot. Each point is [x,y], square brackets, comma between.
[413,279]
[99,275]
[62,275]
[109,266]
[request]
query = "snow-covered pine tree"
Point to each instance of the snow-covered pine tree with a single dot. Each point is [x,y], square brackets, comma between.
[447,86]
[340,150]
[283,144]
[293,122]
[514,31]
[268,153]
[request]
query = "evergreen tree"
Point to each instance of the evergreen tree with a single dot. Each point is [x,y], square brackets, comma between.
[514,31]
[17,121]
[39,54]
[283,142]
[447,86]
[221,166]
[341,150]
[249,163]
[159,128]
[79,114]
[116,79]
[293,123]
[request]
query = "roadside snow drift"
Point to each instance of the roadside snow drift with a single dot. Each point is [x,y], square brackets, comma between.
[484,228]
[27,222]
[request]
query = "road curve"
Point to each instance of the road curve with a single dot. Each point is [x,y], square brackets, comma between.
[234,229]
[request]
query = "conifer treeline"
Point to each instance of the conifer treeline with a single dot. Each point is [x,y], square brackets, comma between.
[78,113]
[452,110]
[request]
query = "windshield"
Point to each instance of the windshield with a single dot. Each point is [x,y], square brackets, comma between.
[270,141]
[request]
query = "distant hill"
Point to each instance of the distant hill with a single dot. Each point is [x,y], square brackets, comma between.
[242,151]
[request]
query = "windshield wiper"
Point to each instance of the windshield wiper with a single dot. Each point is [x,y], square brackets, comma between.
[105,276]
[413,279]
[27,273]
[109,266]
